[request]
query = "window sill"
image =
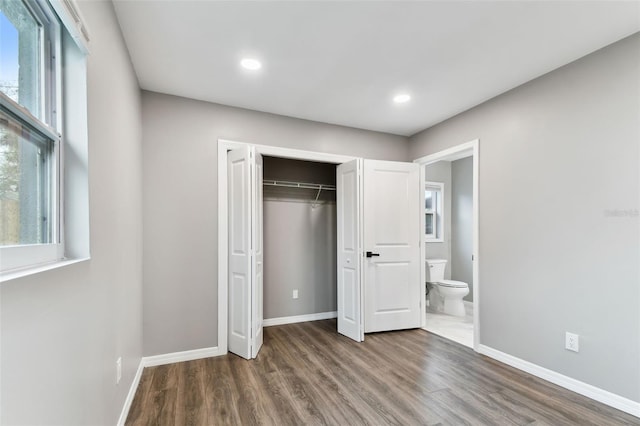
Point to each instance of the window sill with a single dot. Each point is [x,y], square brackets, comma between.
[434,240]
[32,270]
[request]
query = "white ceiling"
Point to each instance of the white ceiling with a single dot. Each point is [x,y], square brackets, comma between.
[342,62]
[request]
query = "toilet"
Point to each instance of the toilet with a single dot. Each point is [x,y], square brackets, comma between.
[445,295]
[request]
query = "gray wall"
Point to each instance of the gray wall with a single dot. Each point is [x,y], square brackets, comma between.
[441,172]
[180,203]
[299,240]
[62,330]
[300,253]
[557,156]
[462,222]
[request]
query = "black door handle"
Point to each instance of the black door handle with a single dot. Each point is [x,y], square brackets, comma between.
[371,254]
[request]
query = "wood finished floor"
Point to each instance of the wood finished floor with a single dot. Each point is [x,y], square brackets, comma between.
[308,374]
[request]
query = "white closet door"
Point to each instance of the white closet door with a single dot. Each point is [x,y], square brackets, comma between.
[258,257]
[391,268]
[349,250]
[245,267]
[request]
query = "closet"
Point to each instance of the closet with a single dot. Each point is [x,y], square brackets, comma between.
[301,240]
[299,237]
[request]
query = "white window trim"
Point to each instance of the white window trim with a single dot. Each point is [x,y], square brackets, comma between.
[438,215]
[28,255]
[74,22]
[36,269]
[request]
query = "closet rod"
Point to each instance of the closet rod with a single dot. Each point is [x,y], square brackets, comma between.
[301,185]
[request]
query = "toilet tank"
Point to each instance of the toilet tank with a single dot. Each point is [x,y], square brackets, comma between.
[435,270]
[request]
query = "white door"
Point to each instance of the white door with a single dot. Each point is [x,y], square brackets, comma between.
[244,289]
[349,250]
[392,218]
[258,258]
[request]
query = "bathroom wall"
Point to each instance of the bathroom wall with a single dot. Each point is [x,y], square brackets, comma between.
[299,240]
[441,172]
[559,224]
[462,222]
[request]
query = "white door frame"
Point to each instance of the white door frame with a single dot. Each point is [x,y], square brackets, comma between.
[273,151]
[473,147]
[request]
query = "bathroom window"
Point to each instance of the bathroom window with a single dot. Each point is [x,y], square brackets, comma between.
[433,215]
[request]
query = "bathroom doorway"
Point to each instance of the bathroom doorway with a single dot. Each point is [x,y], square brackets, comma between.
[450,244]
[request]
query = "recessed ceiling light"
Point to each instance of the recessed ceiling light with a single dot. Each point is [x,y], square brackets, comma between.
[251,64]
[400,99]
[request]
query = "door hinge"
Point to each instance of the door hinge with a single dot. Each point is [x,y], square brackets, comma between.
[473,258]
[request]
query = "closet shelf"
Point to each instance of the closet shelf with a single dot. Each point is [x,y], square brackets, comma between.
[302,185]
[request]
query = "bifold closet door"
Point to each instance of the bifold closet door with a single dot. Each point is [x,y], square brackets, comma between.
[392,225]
[348,201]
[244,252]
[258,257]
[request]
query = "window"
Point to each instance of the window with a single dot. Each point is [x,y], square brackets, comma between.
[433,214]
[26,159]
[29,134]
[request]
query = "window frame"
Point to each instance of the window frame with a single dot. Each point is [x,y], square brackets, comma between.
[437,212]
[26,256]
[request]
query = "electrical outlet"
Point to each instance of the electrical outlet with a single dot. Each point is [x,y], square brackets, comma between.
[572,342]
[295,293]
[118,370]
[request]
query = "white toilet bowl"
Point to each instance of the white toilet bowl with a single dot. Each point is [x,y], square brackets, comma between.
[449,294]
[452,293]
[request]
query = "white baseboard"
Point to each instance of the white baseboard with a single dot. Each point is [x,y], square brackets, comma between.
[299,318]
[152,361]
[170,358]
[132,393]
[597,394]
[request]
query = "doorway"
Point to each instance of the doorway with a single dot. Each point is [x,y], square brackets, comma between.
[453,237]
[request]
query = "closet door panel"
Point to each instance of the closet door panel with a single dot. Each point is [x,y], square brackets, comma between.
[349,250]
[258,257]
[240,268]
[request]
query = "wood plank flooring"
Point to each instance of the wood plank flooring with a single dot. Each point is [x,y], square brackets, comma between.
[309,374]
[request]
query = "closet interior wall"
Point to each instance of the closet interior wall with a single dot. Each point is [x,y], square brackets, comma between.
[299,239]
